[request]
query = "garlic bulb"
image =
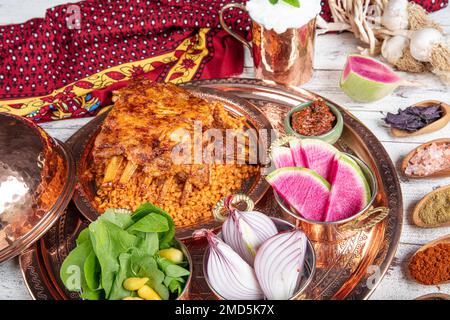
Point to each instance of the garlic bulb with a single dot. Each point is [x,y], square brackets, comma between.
[393,48]
[447,41]
[423,42]
[395,15]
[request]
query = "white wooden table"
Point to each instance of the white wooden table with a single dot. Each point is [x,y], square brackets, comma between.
[330,57]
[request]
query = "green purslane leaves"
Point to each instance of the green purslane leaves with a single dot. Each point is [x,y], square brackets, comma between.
[294,3]
[119,245]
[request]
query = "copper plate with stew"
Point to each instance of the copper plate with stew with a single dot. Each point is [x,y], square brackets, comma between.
[82,142]
[346,266]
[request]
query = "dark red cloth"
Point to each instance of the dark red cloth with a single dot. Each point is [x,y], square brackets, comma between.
[43,54]
[51,71]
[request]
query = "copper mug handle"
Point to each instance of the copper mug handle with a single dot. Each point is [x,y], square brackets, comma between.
[228,29]
[367,221]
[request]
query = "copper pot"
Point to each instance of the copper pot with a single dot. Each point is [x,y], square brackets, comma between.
[37,177]
[336,231]
[286,58]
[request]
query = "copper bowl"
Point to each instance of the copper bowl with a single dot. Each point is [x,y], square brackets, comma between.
[37,176]
[309,268]
[335,231]
[184,295]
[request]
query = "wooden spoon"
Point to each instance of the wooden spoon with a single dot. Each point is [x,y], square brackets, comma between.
[434,296]
[415,215]
[434,126]
[443,240]
[442,173]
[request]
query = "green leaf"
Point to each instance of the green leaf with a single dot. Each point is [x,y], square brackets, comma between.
[119,218]
[92,271]
[273,1]
[161,290]
[83,236]
[176,287]
[118,292]
[151,223]
[146,266]
[147,208]
[171,269]
[176,271]
[109,241]
[294,3]
[147,243]
[72,272]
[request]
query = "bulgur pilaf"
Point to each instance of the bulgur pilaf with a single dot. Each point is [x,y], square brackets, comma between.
[225,179]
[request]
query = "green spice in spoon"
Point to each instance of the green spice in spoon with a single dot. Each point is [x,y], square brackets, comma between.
[434,209]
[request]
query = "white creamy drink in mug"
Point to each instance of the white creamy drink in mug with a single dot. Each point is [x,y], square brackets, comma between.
[283,38]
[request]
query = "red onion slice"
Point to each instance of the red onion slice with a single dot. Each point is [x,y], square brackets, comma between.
[244,232]
[279,264]
[229,275]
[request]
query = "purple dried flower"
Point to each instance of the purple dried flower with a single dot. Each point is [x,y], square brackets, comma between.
[413,118]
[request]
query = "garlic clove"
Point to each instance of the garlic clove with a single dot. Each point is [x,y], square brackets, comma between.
[395,16]
[393,48]
[423,42]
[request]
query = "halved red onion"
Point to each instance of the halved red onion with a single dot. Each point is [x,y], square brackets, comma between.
[279,264]
[245,231]
[229,275]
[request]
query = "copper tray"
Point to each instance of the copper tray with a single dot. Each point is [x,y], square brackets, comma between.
[82,143]
[354,267]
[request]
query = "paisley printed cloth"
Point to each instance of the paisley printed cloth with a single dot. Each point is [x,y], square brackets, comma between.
[67,64]
[54,67]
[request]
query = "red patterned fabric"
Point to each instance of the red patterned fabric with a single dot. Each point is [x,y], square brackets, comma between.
[48,66]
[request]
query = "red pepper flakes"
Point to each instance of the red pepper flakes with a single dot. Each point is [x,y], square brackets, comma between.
[314,120]
[432,265]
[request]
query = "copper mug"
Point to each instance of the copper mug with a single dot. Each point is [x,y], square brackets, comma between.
[286,58]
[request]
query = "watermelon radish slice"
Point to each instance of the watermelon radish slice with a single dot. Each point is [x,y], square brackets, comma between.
[282,157]
[365,79]
[295,145]
[350,192]
[318,156]
[303,189]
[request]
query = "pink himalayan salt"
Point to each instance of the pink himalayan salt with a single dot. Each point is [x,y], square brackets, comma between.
[430,159]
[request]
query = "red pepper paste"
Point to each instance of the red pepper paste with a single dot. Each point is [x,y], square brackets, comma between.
[314,120]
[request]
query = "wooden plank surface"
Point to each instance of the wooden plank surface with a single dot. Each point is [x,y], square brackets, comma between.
[331,51]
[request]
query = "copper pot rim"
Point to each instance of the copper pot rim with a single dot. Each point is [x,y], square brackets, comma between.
[374,190]
[185,292]
[305,284]
[51,216]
